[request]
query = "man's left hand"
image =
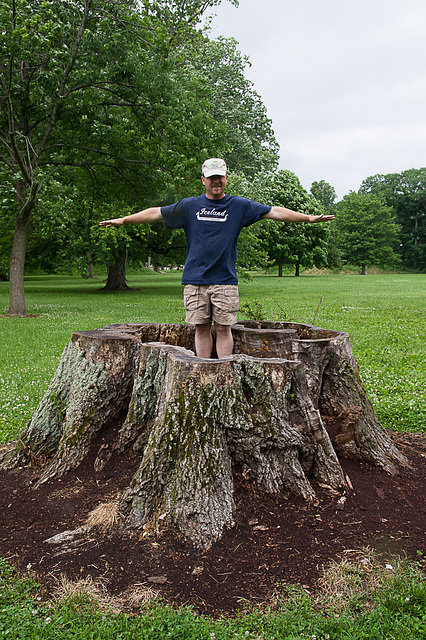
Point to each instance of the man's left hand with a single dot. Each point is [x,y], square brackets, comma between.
[323,218]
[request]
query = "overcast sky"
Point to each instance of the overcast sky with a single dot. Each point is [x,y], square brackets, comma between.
[344,82]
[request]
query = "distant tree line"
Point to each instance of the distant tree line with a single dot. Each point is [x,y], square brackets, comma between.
[383,224]
[405,194]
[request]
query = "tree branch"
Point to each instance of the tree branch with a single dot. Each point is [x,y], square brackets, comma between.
[27,207]
[61,91]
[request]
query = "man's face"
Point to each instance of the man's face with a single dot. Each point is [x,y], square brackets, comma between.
[215,186]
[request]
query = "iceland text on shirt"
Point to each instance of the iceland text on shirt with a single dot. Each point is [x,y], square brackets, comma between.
[211,215]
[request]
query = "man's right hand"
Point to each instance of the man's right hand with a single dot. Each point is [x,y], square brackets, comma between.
[147,216]
[116,222]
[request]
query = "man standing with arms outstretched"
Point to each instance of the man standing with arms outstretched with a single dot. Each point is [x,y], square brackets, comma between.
[212,223]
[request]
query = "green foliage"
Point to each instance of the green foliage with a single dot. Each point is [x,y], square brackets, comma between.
[255,311]
[406,193]
[300,245]
[324,193]
[248,141]
[6,239]
[250,252]
[367,230]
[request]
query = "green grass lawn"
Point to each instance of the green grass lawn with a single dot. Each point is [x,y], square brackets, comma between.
[385,318]
[383,314]
[363,600]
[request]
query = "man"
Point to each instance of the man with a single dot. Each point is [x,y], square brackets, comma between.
[212,224]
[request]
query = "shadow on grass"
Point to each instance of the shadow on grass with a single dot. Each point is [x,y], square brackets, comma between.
[160,292]
[163,286]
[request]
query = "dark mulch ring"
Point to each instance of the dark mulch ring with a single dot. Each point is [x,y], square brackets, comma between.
[274,540]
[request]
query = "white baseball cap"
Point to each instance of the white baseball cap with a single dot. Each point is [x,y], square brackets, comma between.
[214,167]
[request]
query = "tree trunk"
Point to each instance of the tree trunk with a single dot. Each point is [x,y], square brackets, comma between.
[297,272]
[280,269]
[26,197]
[363,269]
[17,306]
[116,280]
[280,409]
[416,238]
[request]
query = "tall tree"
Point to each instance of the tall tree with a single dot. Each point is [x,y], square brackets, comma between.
[367,229]
[218,68]
[299,245]
[73,76]
[324,193]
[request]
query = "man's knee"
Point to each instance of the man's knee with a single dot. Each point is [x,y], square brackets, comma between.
[223,329]
[203,329]
[224,340]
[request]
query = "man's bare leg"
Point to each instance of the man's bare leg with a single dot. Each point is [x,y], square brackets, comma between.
[203,340]
[224,340]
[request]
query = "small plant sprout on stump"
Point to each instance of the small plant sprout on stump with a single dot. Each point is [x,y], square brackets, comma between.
[281,410]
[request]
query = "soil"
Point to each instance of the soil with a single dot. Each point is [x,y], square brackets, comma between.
[274,541]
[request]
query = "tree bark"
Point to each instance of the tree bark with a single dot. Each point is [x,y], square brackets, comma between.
[116,280]
[26,198]
[17,306]
[281,409]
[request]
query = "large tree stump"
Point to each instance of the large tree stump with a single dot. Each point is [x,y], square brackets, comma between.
[282,408]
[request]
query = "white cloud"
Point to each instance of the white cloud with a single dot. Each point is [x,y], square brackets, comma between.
[343,82]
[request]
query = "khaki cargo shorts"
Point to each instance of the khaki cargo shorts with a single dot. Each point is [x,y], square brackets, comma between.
[206,302]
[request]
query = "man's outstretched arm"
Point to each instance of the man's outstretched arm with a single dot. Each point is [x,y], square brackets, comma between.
[287,215]
[147,216]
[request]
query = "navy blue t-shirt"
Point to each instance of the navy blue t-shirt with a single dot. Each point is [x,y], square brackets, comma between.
[212,228]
